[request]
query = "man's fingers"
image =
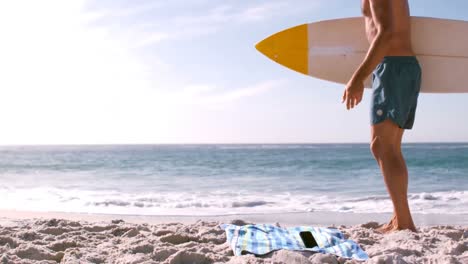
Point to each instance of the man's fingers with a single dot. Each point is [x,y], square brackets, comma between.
[351,100]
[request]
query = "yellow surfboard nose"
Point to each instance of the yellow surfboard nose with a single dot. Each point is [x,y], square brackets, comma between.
[289,48]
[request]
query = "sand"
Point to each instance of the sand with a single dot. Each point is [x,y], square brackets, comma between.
[54,240]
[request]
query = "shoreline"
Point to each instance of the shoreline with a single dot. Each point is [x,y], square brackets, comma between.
[286,219]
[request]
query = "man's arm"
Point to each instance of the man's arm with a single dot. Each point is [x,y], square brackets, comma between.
[382,17]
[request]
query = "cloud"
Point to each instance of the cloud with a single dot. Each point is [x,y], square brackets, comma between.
[200,20]
[209,95]
[260,12]
[135,9]
[238,94]
[189,26]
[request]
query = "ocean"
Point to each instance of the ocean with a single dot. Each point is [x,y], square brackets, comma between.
[226,179]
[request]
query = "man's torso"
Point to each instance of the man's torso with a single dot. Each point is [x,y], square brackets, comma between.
[400,42]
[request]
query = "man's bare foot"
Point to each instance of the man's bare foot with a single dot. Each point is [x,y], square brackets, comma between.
[397,228]
[394,226]
[385,228]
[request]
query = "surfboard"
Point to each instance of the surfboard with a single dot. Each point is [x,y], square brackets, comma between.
[332,50]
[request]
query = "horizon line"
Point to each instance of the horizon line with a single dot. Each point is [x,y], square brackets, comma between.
[221,143]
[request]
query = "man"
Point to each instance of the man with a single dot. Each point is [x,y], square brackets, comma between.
[395,90]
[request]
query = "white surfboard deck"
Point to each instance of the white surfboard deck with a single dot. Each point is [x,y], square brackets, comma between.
[333,49]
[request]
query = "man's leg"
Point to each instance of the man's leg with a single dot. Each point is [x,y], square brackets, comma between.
[386,147]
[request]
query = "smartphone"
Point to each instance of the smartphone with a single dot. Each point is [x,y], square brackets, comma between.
[308,239]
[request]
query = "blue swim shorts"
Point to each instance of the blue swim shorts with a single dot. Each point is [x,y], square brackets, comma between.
[396,83]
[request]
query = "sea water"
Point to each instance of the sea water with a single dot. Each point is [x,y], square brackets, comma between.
[227,179]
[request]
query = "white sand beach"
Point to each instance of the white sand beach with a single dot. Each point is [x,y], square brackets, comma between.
[27,237]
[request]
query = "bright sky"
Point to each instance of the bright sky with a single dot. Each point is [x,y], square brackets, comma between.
[183,71]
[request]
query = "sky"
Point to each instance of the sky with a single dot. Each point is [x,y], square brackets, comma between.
[184,71]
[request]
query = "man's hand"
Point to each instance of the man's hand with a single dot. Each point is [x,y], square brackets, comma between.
[353,93]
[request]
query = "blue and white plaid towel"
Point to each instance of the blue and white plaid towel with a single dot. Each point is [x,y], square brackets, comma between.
[260,239]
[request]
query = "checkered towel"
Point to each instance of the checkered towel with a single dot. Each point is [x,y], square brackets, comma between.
[260,239]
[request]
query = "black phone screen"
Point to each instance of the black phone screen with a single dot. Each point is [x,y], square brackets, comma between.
[308,239]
